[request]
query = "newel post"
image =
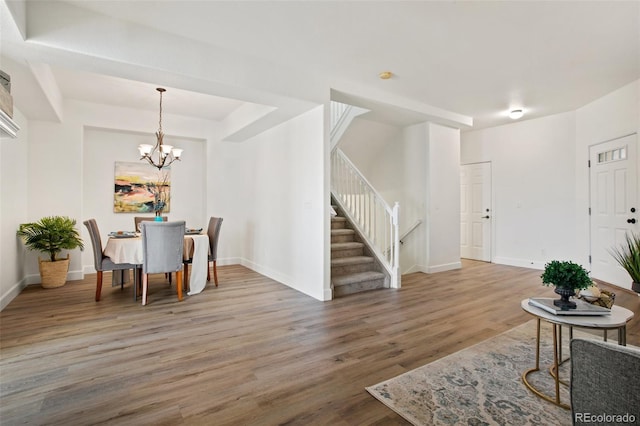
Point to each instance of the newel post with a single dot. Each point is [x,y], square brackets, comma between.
[395,280]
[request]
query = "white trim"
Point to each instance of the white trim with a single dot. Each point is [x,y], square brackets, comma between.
[8,126]
[444,267]
[523,263]
[12,293]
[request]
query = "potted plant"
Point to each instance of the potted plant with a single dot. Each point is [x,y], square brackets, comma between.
[51,235]
[568,277]
[628,256]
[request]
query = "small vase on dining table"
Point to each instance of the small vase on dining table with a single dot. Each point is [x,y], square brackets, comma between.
[158,217]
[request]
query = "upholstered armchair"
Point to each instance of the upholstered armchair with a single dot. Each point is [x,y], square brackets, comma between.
[605,381]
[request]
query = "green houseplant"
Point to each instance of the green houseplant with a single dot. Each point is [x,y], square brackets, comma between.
[51,235]
[568,277]
[628,256]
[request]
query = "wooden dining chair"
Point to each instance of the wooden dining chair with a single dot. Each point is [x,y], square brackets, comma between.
[100,261]
[213,231]
[162,249]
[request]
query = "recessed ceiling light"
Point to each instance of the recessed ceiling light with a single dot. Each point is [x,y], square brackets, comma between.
[516,113]
[385,75]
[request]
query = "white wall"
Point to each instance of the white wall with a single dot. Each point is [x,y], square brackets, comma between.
[533,185]
[443,199]
[13,209]
[272,196]
[414,198]
[541,179]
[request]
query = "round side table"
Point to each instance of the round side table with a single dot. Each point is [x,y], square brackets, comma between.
[617,320]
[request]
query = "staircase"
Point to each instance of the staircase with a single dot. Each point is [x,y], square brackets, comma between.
[364,236]
[353,268]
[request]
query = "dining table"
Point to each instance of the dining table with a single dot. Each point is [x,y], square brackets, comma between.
[127,248]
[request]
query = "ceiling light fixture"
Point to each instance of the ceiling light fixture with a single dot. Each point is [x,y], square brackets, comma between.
[385,75]
[166,154]
[516,113]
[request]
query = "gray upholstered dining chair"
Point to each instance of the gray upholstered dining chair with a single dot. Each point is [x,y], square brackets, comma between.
[138,219]
[101,262]
[213,231]
[162,249]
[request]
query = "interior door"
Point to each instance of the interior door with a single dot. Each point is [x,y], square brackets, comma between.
[614,204]
[475,211]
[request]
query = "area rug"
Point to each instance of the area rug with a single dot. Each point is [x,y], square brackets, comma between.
[482,385]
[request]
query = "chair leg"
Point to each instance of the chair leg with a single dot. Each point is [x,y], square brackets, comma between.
[215,273]
[99,286]
[179,284]
[208,272]
[145,282]
[185,277]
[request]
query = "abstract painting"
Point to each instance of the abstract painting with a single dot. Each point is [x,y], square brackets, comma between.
[141,188]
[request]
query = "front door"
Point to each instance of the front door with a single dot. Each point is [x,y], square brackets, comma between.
[614,204]
[475,211]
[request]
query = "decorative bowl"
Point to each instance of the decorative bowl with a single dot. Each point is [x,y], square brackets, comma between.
[588,296]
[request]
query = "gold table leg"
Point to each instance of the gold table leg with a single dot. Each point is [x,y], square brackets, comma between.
[556,353]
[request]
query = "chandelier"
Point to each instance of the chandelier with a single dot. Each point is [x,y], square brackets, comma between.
[165,154]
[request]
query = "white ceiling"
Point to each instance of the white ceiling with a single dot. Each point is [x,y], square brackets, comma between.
[473,58]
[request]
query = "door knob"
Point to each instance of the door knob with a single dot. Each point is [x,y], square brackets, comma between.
[487,217]
[632,220]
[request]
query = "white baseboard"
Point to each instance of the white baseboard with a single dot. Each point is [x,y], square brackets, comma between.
[444,267]
[229,261]
[412,269]
[12,293]
[523,263]
[328,294]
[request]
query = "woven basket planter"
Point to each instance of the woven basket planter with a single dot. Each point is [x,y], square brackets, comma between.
[53,274]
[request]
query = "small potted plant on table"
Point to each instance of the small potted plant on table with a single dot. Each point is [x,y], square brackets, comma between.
[568,277]
[51,235]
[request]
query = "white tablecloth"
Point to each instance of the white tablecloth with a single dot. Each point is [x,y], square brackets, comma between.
[129,250]
[199,265]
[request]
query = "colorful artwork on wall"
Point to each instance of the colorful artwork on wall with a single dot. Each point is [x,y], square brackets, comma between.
[141,188]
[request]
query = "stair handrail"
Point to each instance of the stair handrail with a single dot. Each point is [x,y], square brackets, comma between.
[410,230]
[376,220]
[406,233]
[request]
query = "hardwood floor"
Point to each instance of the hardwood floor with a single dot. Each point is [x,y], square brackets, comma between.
[250,352]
